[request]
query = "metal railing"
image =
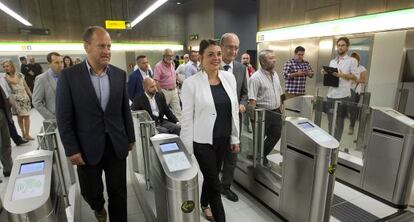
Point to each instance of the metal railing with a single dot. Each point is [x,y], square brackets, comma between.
[144,129]
[258,135]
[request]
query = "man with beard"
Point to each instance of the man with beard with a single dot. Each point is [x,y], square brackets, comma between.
[154,103]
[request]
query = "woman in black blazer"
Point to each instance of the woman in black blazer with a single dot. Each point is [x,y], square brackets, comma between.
[210,123]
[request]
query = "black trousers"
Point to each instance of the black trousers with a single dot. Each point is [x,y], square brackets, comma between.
[210,158]
[91,185]
[273,130]
[229,164]
[353,108]
[13,133]
[340,115]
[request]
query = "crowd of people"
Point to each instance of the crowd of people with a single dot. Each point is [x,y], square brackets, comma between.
[201,100]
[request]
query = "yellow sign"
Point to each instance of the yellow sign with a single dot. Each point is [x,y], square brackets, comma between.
[115,24]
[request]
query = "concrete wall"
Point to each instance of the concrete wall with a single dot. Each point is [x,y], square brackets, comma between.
[67,19]
[240,17]
[283,13]
[199,19]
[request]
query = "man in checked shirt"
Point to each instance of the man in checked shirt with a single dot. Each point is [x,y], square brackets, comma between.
[295,72]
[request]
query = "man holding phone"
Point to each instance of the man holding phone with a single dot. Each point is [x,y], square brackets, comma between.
[295,71]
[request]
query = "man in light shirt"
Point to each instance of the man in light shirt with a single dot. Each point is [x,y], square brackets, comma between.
[347,72]
[265,92]
[191,67]
[164,74]
[181,68]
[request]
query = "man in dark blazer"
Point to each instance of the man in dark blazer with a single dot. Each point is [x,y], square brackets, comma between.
[229,43]
[95,125]
[5,144]
[156,105]
[135,79]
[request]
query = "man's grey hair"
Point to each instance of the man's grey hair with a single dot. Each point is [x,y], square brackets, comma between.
[166,51]
[226,36]
[262,55]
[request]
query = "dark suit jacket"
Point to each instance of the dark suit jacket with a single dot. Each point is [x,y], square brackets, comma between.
[4,103]
[239,72]
[135,87]
[142,103]
[82,123]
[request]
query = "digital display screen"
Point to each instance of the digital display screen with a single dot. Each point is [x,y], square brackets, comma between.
[306,125]
[176,161]
[167,147]
[32,167]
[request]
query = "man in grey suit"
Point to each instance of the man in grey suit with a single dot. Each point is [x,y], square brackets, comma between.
[44,91]
[230,47]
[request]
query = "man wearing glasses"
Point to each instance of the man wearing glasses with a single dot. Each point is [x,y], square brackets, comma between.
[230,47]
[164,74]
[347,72]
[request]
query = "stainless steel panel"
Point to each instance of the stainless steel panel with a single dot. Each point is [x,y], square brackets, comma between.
[348,175]
[325,54]
[380,178]
[308,170]
[409,105]
[283,52]
[173,189]
[405,178]
[322,196]
[297,185]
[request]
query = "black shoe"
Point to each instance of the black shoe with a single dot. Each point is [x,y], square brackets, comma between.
[21,141]
[230,195]
[6,174]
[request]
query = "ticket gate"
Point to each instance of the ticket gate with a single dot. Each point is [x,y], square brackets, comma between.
[31,191]
[385,138]
[302,189]
[386,170]
[174,175]
[164,175]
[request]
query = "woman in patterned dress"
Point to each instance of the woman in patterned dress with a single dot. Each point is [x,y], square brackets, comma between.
[20,97]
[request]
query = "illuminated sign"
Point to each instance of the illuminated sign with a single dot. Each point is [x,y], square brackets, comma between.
[401,19]
[117,24]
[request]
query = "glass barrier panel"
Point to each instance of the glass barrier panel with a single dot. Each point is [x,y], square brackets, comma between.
[271,152]
[246,135]
[345,119]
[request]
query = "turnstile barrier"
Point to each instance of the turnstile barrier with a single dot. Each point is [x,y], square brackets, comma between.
[164,194]
[30,194]
[174,175]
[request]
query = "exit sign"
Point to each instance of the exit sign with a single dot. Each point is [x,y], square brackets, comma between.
[193,37]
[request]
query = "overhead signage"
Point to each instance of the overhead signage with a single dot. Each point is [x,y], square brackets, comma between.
[193,37]
[34,31]
[117,24]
